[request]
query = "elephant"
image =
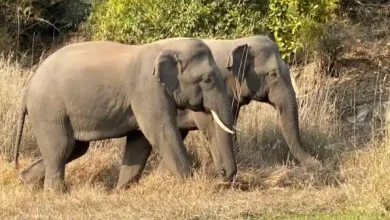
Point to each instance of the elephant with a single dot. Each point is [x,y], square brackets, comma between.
[99,90]
[252,69]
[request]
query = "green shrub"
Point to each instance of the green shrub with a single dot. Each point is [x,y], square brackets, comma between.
[290,20]
[137,22]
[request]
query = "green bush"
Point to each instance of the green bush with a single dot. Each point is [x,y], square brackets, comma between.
[136,21]
[291,20]
[142,21]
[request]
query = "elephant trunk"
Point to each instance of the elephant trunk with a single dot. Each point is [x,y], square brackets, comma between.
[223,121]
[227,152]
[288,112]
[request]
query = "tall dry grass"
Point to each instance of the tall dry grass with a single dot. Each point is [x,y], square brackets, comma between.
[367,171]
[12,80]
[267,183]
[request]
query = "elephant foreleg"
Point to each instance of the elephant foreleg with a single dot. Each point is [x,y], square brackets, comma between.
[206,160]
[36,171]
[136,154]
[162,167]
[163,133]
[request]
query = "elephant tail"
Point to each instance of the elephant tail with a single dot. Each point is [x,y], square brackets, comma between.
[19,130]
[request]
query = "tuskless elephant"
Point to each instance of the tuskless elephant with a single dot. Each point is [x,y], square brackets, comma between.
[252,69]
[99,90]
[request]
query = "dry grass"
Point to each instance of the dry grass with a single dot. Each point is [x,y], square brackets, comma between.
[12,79]
[267,186]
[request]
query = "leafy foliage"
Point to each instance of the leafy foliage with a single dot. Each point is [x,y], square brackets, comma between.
[289,20]
[27,22]
[135,21]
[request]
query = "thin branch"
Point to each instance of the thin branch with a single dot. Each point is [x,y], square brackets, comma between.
[47,22]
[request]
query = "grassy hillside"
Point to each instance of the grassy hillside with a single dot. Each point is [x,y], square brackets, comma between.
[344,120]
[352,185]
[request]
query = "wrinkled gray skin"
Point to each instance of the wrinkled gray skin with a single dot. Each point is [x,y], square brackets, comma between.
[98,90]
[266,79]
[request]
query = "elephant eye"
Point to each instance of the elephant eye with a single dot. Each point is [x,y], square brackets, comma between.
[272,73]
[207,80]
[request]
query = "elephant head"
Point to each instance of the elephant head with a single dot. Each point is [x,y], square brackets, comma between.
[263,76]
[193,80]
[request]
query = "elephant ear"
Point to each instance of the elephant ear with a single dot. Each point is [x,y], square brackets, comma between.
[236,59]
[166,68]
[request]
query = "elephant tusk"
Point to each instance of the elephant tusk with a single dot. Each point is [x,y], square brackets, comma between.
[294,85]
[236,129]
[220,123]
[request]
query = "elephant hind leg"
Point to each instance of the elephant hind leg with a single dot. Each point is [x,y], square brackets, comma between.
[54,150]
[36,171]
[137,152]
[56,142]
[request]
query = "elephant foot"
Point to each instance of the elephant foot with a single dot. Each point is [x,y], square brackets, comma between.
[55,186]
[208,169]
[34,174]
[312,164]
[54,182]
[162,168]
[124,185]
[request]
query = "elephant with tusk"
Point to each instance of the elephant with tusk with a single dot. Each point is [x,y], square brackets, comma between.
[253,70]
[99,90]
